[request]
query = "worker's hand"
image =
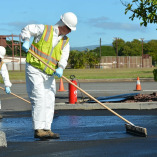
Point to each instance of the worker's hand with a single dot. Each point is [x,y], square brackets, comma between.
[59,72]
[25,46]
[7,90]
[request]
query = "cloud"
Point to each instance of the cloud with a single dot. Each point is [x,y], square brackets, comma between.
[17,25]
[105,23]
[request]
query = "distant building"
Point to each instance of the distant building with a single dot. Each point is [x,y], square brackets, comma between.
[16,64]
[126,62]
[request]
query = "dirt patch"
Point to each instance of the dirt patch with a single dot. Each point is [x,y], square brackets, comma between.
[125,98]
[142,98]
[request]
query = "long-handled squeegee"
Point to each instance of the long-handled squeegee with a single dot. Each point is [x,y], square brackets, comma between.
[130,127]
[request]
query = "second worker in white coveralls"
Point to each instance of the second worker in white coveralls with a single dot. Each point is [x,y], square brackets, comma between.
[52,46]
[4,71]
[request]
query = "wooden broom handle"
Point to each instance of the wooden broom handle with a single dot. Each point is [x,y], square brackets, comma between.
[82,89]
[17,96]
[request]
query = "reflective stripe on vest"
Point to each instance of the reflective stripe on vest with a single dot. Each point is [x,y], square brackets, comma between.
[43,55]
[47,35]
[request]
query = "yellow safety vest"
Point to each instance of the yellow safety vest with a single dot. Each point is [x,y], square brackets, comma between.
[45,51]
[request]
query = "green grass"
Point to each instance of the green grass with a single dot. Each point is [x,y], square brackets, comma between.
[109,73]
[17,75]
[96,73]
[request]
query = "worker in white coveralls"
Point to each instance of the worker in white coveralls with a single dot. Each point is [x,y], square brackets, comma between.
[4,71]
[52,46]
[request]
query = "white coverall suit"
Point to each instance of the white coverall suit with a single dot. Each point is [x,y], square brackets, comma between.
[5,75]
[41,88]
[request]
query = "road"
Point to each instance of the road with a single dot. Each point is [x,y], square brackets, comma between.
[98,89]
[83,133]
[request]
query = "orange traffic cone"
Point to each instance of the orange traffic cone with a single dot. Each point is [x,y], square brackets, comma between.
[138,85]
[61,86]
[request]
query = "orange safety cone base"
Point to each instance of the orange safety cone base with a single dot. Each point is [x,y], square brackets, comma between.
[138,88]
[61,86]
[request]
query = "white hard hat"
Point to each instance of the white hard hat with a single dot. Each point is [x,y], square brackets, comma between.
[2,51]
[70,20]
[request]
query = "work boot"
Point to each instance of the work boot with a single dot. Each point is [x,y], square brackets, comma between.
[40,133]
[52,135]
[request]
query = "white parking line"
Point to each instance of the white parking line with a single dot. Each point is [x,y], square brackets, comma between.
[120,90]
[150,90]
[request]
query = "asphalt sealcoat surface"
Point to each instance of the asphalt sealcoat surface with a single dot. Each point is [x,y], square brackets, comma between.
[82,133]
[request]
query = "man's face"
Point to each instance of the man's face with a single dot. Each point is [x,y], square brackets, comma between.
[65,30]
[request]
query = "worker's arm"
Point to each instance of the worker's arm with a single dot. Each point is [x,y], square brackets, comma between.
[29,31]
[32,30]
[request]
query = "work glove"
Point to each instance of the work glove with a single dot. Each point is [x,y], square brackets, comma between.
[59,72]
[7,90]
[25,46]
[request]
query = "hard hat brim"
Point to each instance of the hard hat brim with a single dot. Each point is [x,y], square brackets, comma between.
[72,28]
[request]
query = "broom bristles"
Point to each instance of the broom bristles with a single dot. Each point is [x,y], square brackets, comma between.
[136,130]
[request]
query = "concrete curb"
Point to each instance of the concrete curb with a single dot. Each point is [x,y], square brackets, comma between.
[3,141]
[96,106]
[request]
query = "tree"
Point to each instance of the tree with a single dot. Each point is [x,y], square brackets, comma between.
[81,60]
[151,49]
[133,48]
[105,51]
[92,59]
[73,58]
[145,10]
[118,44]
[136,47]
[77,59]
[127,49]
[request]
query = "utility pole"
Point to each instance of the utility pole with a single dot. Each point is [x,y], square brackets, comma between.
[142,39]
[116,39]
[100,52]
[117,51]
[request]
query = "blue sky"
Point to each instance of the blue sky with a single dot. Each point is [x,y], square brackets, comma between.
[97,19]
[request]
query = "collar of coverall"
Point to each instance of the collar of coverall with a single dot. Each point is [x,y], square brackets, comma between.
[56,31]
